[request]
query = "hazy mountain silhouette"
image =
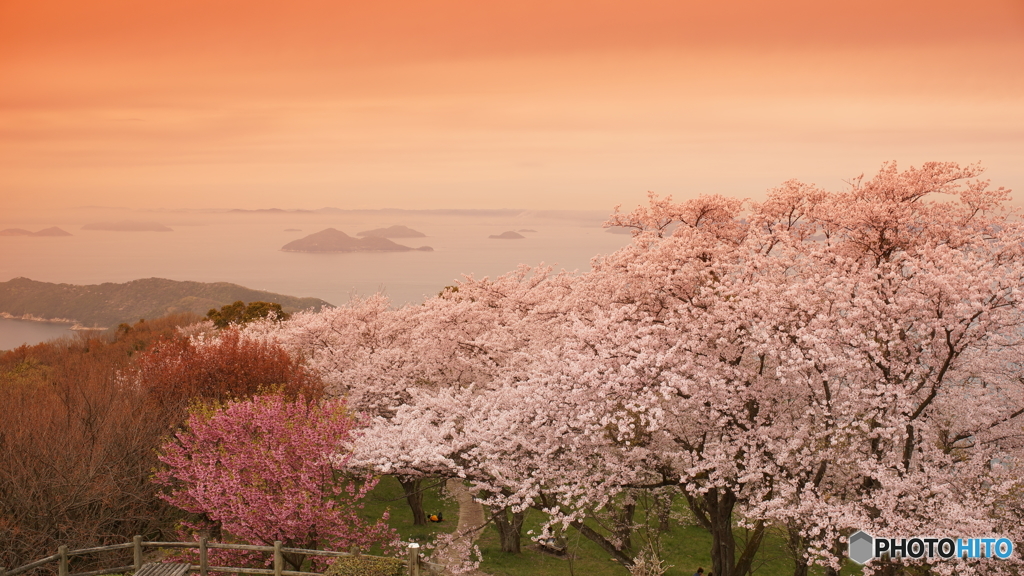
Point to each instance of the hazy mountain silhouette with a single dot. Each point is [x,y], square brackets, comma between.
[53,231]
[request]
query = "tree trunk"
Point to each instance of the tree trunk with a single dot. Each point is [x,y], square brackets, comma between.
[663,509]
[510,526]
[624,526]
[801,568]
[797,546]
[624,556]
[714,512]
[723,543]
[294,559]
[414,497]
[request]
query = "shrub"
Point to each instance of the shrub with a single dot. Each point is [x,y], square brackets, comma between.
[366,566]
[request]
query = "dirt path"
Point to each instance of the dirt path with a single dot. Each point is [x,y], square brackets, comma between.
[471,513]
[471,520]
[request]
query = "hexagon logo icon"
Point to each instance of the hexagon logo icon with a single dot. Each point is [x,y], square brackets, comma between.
[861,547]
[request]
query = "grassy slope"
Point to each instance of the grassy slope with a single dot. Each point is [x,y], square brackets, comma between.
[107,305]
[686,547]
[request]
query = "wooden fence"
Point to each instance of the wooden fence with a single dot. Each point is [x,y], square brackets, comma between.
[416,566]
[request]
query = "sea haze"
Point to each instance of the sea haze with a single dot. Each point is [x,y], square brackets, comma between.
[245,248]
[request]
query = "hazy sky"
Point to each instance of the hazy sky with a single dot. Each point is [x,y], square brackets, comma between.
[477,104]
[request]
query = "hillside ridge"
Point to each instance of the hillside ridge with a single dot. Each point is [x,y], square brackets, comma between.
[109,304]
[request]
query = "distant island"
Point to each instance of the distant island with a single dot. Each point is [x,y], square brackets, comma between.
[393,232]
[109,304]
[510,235]
[333,240]
[128,226]
[53,231]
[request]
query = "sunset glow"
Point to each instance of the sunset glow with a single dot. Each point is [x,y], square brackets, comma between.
[515,104]
[512,287]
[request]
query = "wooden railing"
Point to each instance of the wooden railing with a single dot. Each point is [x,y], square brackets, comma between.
[415,565]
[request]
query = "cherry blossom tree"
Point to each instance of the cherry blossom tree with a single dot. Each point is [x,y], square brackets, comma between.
[919,389]
[376,356]
[827,361]
[267,469]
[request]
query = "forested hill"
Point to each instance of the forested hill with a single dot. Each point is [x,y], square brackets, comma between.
[107,305]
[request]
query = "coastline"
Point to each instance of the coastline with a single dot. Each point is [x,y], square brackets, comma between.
[75,325]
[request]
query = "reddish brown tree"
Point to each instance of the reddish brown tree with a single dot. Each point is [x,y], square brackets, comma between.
[178,371]
[76,447]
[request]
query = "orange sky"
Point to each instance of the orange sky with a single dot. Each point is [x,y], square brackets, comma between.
[401,103]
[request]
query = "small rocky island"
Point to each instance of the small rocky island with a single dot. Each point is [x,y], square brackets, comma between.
[396,231]
[509,235]
[333,240]
[128,226]
[52,231]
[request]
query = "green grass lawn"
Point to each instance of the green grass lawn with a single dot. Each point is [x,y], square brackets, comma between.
[388,495]
[685,547]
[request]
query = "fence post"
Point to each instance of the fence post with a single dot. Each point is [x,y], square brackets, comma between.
[137,541]
[203,561]
[278,558]
[63,569]
[414,559]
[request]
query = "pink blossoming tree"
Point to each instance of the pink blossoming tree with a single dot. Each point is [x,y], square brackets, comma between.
[377,357]
[819,361]
[268,469]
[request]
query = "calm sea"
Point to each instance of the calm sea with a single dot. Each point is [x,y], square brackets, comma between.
[14,333]
[245,249]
